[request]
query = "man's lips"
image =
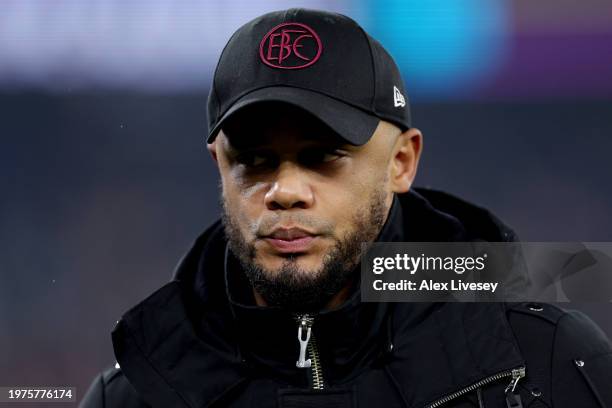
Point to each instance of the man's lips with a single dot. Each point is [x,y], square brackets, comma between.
[290,240]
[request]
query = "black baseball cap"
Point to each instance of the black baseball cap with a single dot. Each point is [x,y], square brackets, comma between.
[319,61]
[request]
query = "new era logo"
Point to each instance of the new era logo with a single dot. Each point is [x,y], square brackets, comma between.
[398,98]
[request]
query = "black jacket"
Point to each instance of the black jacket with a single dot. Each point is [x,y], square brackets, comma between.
[199,341]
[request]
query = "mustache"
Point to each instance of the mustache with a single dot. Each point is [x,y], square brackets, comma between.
[267,225]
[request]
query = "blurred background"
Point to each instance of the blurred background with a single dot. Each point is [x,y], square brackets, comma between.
[105,180]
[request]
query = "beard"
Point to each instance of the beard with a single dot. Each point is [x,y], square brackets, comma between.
[294,288]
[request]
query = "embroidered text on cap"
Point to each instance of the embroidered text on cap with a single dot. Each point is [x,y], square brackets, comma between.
[290,46]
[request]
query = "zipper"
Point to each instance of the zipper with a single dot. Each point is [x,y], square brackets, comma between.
[515,374]
[308,345]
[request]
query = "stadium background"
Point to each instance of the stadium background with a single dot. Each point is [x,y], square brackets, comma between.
[105,180]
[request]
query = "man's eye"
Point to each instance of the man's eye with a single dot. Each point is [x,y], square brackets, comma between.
[252,159]
[319,156]
[327,157]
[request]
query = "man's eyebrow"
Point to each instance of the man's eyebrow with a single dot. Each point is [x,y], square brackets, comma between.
[245,143]
[311,139]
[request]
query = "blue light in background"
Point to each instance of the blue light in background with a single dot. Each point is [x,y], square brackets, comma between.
[445,48]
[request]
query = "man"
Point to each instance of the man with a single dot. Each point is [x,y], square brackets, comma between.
[310,129]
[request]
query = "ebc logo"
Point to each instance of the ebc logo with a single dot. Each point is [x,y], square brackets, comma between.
[290,46]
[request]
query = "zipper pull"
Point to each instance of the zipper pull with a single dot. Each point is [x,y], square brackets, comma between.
[514,400]
[517,374]
[303,324]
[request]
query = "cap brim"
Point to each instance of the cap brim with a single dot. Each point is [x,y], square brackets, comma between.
[352,124]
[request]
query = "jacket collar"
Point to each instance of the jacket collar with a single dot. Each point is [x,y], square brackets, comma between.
[268,337]
[189,329]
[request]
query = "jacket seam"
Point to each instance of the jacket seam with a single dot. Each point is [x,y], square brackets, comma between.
[112,375]
[539,316]
[396,386]
[552,359]
[226,392]
[552,354]
[103,391]
[589,383]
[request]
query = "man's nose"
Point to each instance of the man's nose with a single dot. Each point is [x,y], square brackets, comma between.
[290,189]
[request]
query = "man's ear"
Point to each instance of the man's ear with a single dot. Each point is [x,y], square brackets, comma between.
[405,160]
[212,148]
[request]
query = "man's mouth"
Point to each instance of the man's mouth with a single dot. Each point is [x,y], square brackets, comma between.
[290,240]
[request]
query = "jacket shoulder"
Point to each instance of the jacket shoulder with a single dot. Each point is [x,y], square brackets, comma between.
[571,329]
[568,357]
[479,223]
[111,389]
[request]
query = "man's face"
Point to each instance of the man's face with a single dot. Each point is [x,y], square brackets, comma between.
[298,201]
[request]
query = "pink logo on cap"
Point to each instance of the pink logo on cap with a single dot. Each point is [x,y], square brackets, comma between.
[290,46]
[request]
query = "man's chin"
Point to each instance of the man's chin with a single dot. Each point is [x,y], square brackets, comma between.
[302,264]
